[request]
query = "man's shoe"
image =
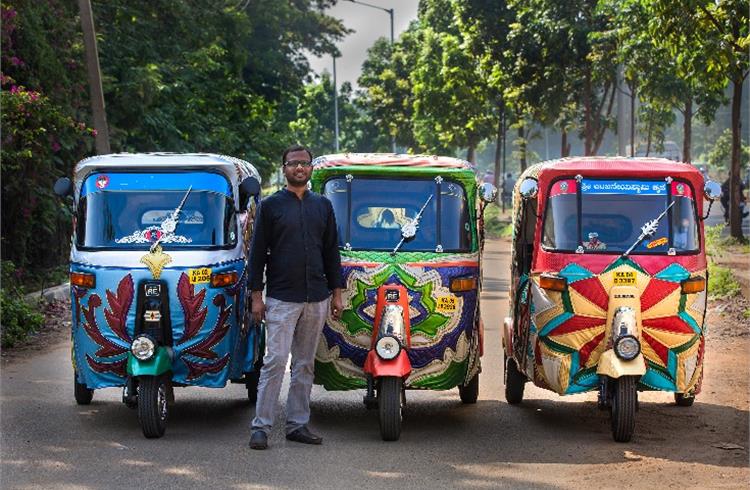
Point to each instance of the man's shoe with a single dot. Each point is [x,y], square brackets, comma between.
[258,440]
[304,436]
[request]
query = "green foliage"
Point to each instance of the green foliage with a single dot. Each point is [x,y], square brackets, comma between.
[720,156]
[721,282]
[19,319]
[495,224]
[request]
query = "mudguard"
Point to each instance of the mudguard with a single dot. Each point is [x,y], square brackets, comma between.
[159,364]
[377,367]
[612,366]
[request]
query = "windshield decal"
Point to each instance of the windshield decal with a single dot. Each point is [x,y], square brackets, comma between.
[153,234]
[624,187]
[659,242]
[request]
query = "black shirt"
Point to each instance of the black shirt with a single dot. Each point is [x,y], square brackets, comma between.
[295,242]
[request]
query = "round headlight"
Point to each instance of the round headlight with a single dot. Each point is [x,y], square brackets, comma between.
[388,348]
[627,347]
[143,348]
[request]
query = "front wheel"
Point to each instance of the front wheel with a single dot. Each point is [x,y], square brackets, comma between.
[624,403]
[514,382]
[470,391]
[152,405]
[684,399]
[82,393]
[390,407]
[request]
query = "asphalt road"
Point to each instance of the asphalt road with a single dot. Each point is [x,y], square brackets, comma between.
[547,442]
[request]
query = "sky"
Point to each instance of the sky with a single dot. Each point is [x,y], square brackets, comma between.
[368,24]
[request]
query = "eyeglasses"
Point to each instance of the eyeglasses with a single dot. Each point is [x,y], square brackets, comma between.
[298,163]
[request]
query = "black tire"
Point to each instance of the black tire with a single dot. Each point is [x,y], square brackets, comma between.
[470,391]
[251,383]
[683,400]
[390,407]
[82,393]
[624,405]
[515,382]
[152,405]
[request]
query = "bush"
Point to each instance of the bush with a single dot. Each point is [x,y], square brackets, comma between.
[496,225]
[17,318]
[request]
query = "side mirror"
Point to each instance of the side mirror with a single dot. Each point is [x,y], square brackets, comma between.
[712,190]
[529,189]
[487,192]
[248,188]
[64,187]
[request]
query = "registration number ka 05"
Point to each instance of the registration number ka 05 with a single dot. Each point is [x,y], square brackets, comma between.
[446,304]
[625,278]
[199,276]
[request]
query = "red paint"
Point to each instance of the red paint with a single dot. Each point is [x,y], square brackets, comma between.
[403,301]
[585,352]
[377,367]
[656,291]
[592,290]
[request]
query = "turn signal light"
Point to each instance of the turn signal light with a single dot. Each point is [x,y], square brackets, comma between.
[460,284]
[82,279]
[693,285]
[223,279]
[553,283]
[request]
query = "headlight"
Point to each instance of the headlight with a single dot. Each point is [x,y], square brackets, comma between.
[388,348]
[627,347]
[143,348]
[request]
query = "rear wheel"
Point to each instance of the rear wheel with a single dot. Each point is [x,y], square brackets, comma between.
[470,391]
[684,399]
[82,393]
[390,407]
[514,382]
[152,405]
[624,403]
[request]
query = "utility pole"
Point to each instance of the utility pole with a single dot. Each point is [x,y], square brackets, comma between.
[95,78]
[389,12]
[335,106]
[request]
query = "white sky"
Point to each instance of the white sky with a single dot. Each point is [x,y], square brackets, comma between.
[369,24]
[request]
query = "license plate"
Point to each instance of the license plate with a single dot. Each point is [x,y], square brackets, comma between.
[446,304]
[391,295]
[153,290]
[198,276]
[625,278]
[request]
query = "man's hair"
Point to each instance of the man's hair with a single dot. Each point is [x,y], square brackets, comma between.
[295,148]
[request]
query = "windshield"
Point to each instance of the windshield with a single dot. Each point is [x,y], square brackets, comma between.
[370,213]
[127,210]
[612,213]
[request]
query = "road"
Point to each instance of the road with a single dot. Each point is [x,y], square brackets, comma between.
[547,442]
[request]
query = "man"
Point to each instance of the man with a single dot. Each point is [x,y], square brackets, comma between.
[295,243]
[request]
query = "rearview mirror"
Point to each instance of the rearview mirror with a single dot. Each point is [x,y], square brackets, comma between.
[487,192]
[529,189]
[712,190]
[248,188]
[63,187]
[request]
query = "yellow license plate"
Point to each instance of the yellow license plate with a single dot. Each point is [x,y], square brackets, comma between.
[625,278]
[199,276]
[446,304]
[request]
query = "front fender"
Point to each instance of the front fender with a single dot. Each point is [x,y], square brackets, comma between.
[399,367]
[612,366]
[159,364]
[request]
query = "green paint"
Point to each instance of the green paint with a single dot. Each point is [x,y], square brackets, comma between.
[159,364]
[453,376]
[327,375]
[624,261]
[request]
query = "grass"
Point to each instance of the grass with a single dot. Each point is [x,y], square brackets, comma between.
[496,223]
[721,280]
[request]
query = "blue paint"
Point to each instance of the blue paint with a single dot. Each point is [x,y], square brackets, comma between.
[201,181]
[574,272]
[624,187]
[673,273]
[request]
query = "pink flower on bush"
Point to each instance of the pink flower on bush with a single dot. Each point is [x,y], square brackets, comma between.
[56,146]
[94,132]
[16,61]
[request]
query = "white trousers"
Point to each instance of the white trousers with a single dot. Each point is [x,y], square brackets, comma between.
[290,328]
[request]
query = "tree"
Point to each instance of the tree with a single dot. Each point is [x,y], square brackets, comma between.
[710,41]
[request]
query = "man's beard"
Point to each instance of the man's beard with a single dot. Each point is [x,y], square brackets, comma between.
[296,181]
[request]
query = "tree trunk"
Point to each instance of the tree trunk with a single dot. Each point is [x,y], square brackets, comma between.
[564,145]
[735,216]
[499,149]
[587,126]
[522,145]
[632,119]
[649,134]
[603,129]
[687,130]
[470,152]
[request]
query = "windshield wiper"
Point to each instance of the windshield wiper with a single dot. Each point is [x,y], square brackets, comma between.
[409,230]
[169,225]
[647,230]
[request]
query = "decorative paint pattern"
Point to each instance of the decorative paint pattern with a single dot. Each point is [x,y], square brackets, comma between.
[444,346]
[571,328]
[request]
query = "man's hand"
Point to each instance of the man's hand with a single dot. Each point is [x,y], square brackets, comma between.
[258,307]
[337,305]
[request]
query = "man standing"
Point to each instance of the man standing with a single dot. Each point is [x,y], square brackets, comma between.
[295,243]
